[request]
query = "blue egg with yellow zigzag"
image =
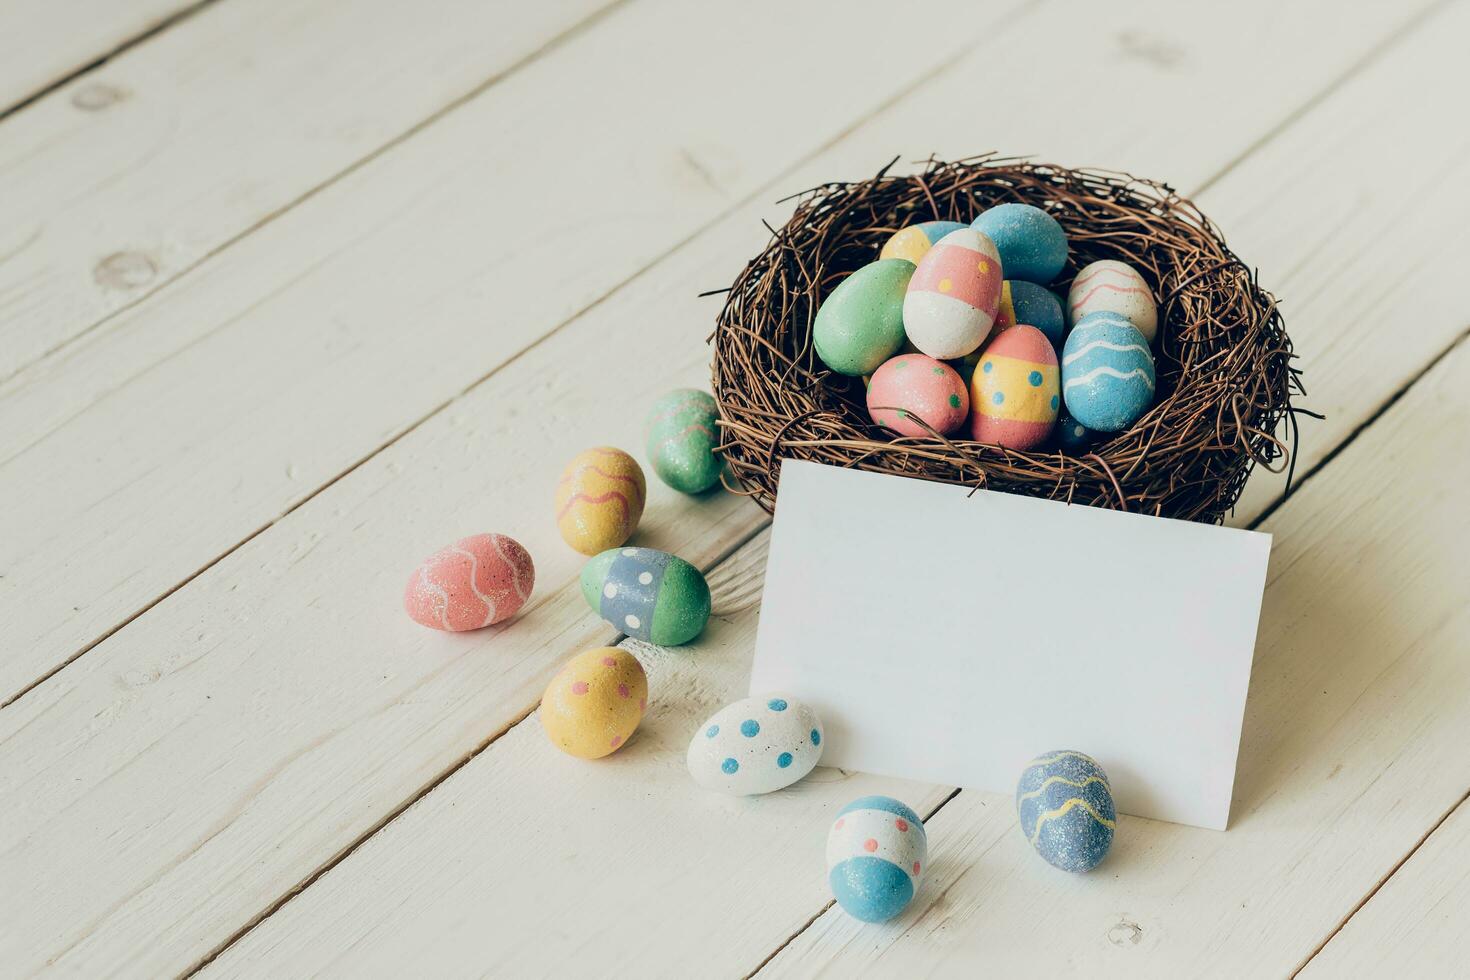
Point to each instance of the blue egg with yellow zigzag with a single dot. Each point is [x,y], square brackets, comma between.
[1066,810]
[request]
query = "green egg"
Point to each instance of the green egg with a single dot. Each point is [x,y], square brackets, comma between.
[860,325]
[682,439]
[647,594]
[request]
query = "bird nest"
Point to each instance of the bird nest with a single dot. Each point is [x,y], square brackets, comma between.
[1223,358]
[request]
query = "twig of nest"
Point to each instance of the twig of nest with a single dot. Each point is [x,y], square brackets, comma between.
[1223,359]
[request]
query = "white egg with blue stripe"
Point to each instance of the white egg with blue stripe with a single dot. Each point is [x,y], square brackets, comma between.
[1108,377]
[877,851]
[757,745]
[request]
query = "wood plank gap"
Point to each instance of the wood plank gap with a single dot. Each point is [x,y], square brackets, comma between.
[1381,882]
[939,69]
[458,102]
[177,17]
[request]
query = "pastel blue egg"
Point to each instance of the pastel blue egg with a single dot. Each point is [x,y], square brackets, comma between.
[1072,436]
[876,854]
[1039,307]
[1066,810]
[1107,373]
[1032,245]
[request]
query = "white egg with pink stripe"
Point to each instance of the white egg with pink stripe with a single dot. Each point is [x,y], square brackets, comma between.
[1110,286]
[876,853]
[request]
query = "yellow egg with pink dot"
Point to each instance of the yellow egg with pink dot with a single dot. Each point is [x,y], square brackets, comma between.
[595,703]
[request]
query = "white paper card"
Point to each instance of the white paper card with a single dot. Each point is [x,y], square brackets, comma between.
[951,637]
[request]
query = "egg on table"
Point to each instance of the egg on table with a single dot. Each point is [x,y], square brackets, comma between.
[650,595]
[477,581]
[1037,306]
[954,295]
[877,850]
[1015,391]
[595,702]
[756,745]
[1114,287]
[1032,244]
[916,386]
[599,499]
[1066,810]
[1107,373]
[682,439]
[914,242]
[860,325]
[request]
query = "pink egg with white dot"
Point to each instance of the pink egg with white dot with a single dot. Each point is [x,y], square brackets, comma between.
[914,387]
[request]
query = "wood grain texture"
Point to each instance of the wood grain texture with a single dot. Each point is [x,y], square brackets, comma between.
[1360,700]
[202,415]
[138,170]
[1415,925]
[44,42]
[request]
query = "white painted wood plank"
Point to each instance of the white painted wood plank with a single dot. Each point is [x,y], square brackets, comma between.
[43,41]
[528,862]
[136,171]
[202,415]
[1359,708]
[156,468]
[1415,925]
[288,722]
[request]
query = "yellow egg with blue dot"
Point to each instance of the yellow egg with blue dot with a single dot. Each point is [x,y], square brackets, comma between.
[1015,392]
[914,242]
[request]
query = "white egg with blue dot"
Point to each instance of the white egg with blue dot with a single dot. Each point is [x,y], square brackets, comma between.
[877,851]
[757,745]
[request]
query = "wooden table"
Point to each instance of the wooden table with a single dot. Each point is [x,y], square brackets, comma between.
[293,293]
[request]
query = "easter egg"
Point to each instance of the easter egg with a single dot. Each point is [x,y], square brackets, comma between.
[1016,390]
[1032,245]
[682,440]
[954,295]
[1066,810]
[1037,306]
[860,324]
[595,702]
[915,386]
[1115,287]
[477,581]
[649,595]
[876,854]
[914,242]
[1072,436]
[757,745]
[599,499]
[1107,373]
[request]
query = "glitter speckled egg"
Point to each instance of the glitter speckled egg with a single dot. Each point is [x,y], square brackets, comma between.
[593,705]
[1066,810]
[1116,287]
[860,325]
[649,595]
[1016,390]
[1107,373]
[1072,436]
[914,242]
[954,295]
[877,850]
[599,499]
[916,385]
[756,745]
[1039,307]
[477,581]
[1032,245]
[682,440]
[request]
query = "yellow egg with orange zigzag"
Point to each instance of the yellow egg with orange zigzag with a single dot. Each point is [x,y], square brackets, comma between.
[1016,390]
[599,499]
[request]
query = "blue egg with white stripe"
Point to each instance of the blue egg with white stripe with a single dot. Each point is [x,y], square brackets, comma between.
[1108,377]
[876,854]
[1032,245]
[1066,810]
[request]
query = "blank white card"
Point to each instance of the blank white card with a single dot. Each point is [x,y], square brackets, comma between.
[950,636]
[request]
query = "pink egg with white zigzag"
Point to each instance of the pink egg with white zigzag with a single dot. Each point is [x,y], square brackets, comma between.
[477,581]
[1110,286]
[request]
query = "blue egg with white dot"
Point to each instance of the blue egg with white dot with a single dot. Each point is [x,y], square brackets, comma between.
[1039,307]
[1072,436]
[1031,243]
[756,745]
[877,851]
[1066,811]
[1108,377]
